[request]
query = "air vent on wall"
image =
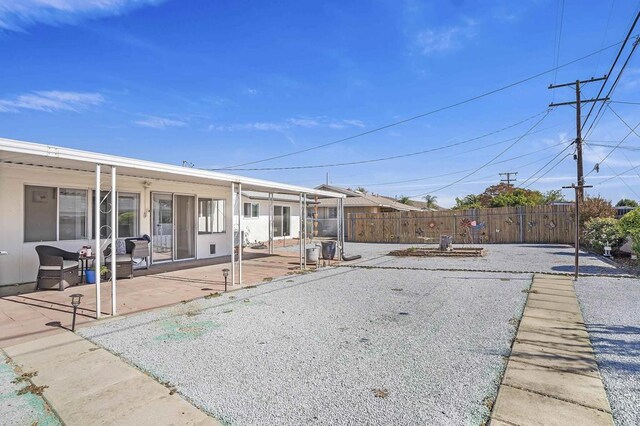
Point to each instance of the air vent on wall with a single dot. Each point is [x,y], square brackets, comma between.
[212,249]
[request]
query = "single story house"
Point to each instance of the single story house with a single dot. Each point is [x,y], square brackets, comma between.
[70,198]
[354,202]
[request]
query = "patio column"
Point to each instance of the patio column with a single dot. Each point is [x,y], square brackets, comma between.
[114,230]
[233,232]
[342,227]
[304,231]
[300,227]
[240,234]
[97,254]
[271,223]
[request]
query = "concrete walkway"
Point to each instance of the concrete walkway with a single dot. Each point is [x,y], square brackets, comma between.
[85,385]
[552,377]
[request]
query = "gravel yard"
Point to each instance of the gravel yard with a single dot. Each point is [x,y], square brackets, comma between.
[500,257]
[338,346]
[611,310]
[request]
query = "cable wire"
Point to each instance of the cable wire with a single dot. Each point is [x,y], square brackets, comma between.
[434,111]
[490,161]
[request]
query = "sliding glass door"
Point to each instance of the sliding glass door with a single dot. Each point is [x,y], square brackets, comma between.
[281,221]
[185,226]
[162,227]
[173,227]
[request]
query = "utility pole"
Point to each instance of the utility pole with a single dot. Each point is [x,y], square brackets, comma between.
[508,179]
[579,189]
[578,103]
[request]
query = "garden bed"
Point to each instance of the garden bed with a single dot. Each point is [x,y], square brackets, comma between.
[436,252]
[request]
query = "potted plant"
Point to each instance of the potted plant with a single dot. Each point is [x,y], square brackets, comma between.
[105,273]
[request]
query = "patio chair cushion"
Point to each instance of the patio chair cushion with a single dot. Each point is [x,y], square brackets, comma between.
[66,264]
[121,246]
[119,258]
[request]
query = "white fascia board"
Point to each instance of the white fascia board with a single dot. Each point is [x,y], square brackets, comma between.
[52,151]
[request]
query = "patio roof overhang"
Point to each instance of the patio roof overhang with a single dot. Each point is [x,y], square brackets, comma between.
[42,155]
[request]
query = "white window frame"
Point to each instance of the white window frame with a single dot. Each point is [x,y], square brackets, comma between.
[57,191]
[250,216]
[214,210]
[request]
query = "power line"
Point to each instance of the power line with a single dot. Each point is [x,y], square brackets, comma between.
[440,109]
[490,161]
[548,170]
[543,167]
[465,170]
[613,65]
[558,38]
[395,157]
[632,131]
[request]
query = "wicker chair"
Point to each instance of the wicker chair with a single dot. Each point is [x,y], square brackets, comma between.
[137,248]
[58,268]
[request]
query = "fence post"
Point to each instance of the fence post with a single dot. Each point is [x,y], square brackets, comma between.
[521,224]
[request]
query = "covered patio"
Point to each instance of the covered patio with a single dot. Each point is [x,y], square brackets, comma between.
[192,266]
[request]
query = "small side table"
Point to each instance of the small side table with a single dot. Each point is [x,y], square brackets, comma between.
[84,264]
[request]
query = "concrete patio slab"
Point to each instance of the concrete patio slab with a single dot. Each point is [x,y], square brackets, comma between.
[553,358]
[577,388]
[521,407]
[88,385]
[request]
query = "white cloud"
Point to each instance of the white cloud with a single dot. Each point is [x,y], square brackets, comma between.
[15,15]
[160,122]
[296,122]
[446,38]
[51,101]
[249,91]
[304,122]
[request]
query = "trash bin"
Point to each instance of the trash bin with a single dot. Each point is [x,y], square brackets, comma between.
[312,254]
[91,276]
[328,250]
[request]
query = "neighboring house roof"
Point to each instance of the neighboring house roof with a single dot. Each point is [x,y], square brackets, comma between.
[358,199]
[422,205]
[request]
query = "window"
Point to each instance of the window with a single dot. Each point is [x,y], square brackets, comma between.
[210,216]
[332,213]
[52,214]
[251,210]
[72,218]
[40,210]
[127,214]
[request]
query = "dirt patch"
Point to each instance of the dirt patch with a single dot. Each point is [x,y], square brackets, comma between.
[36,390]
[434,252]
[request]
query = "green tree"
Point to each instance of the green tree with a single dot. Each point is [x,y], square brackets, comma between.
[361,189]
[431,201]
[627,202]
[404,199]
[595,207]
[517,197]
[471,201]
[554,196]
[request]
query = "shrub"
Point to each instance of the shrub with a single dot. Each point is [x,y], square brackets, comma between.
[593,207]
[630,222]
[602,231]
[635,242]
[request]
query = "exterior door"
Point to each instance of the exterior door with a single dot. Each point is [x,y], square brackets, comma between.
[281,221]
[185,226]
[162,227]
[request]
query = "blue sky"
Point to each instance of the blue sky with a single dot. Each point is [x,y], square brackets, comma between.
[220,83]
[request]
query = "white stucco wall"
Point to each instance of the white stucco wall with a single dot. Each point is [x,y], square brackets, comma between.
[21,264]
[257,229]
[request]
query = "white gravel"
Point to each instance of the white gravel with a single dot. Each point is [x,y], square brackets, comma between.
[316,348]
[20,410]
[547,258]
[611,310]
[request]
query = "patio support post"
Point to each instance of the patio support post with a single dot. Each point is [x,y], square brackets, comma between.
[271,223]
[97,254]
[342,227]
[240,234]
[300,228]
[233,232]
[114,230]
[304,231]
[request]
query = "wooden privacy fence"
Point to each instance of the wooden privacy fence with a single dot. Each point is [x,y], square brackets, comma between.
[529,224]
